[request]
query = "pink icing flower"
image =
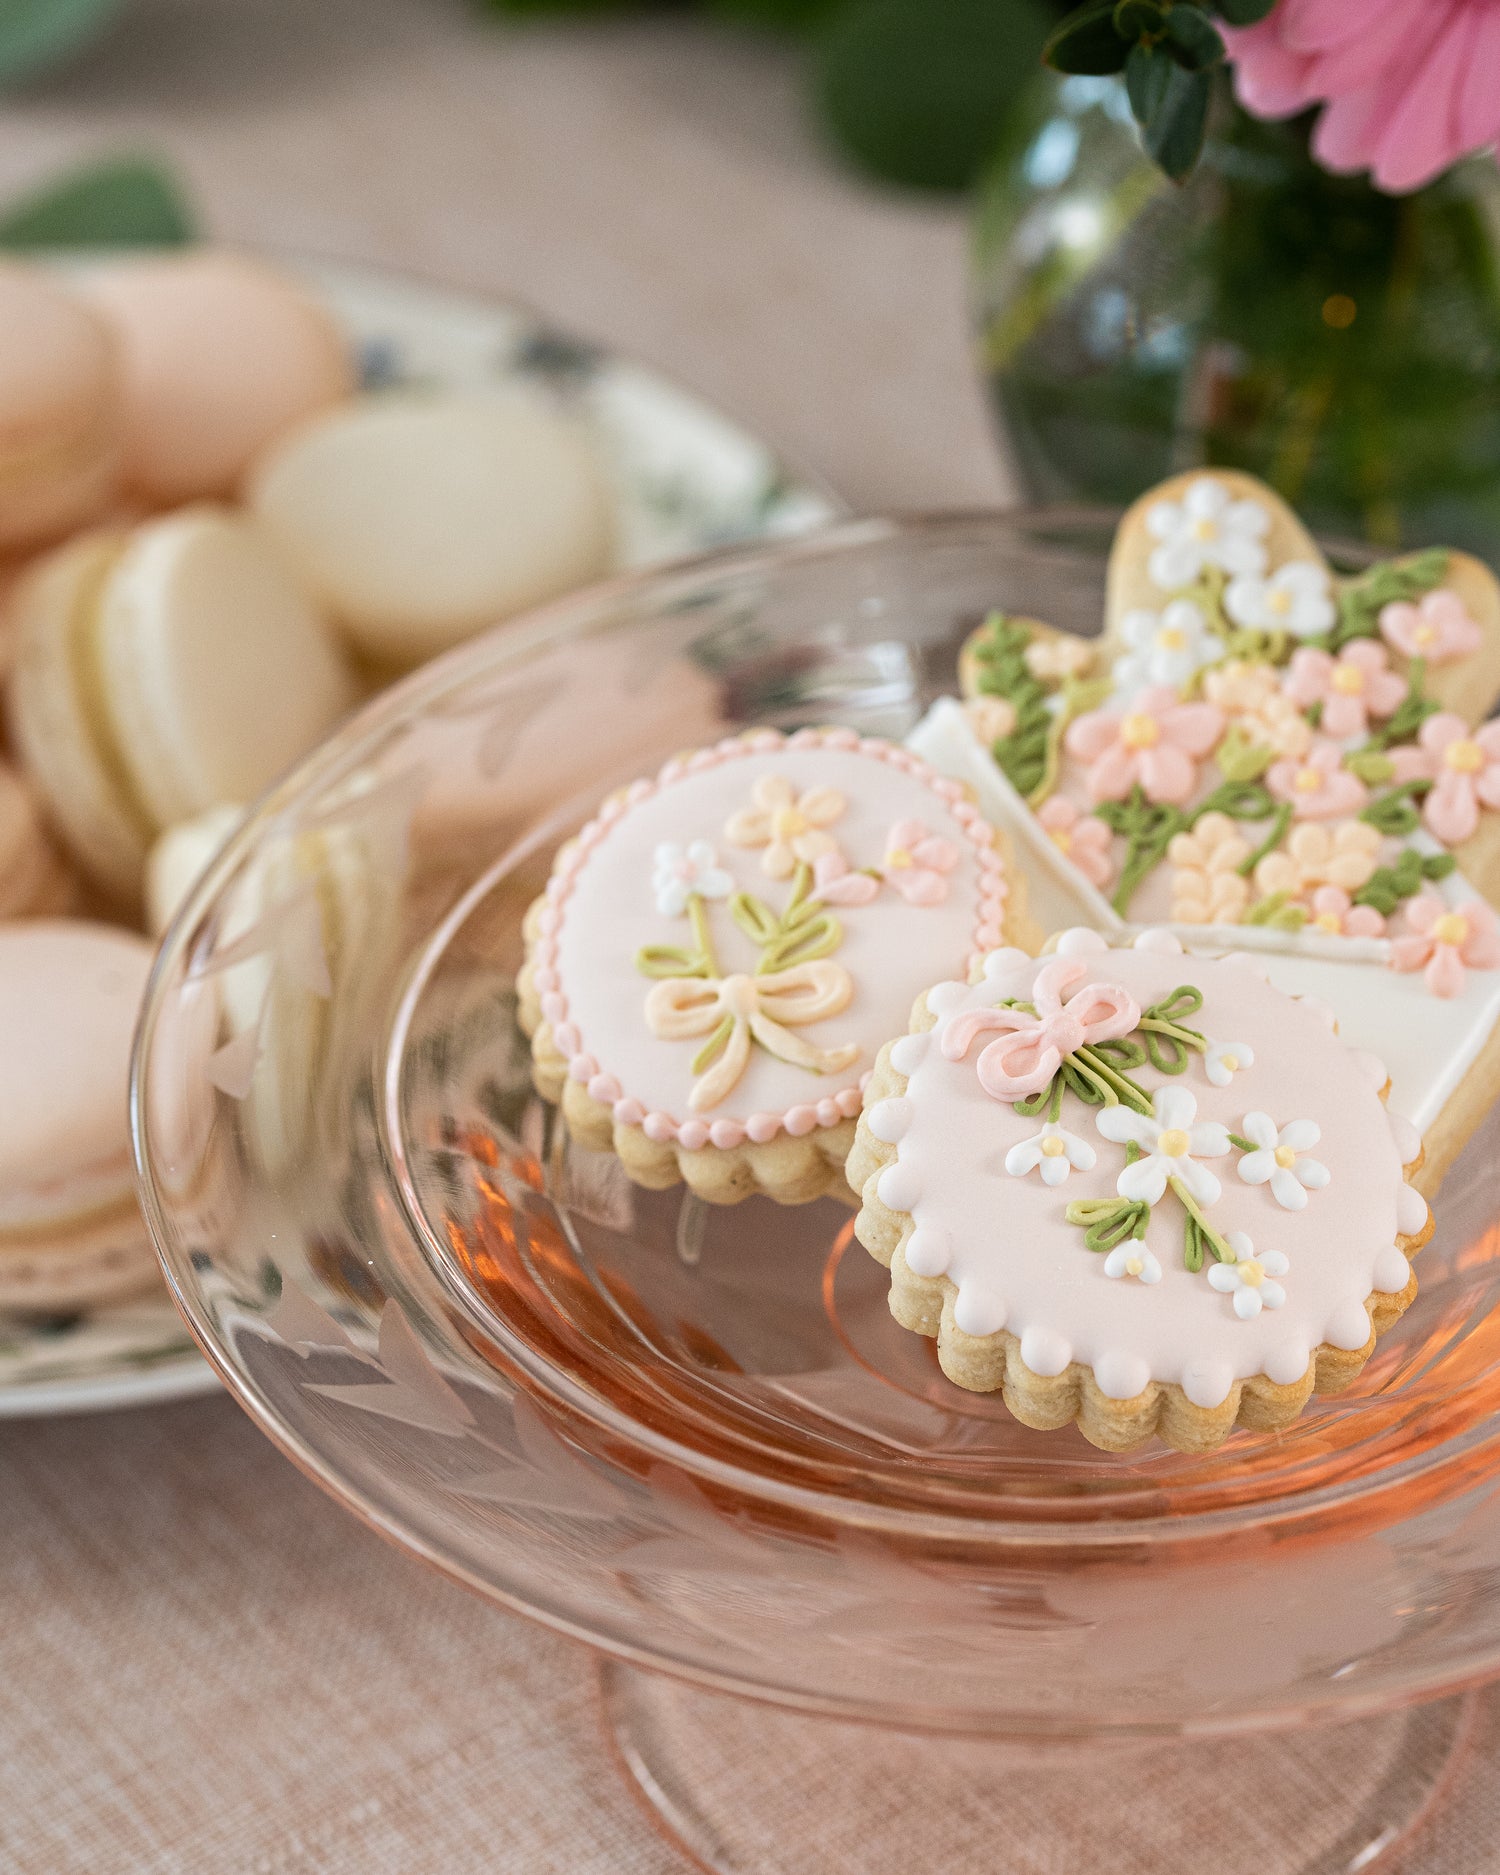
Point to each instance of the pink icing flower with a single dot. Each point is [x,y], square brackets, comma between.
[917,861]
[1082,838]
[1409,86]
[1437,628]
[1445,940]
[1352,687]
[1031,1048]
[1317,784]
[1464,766]
[1336,913]
[1157,742]
[836,882]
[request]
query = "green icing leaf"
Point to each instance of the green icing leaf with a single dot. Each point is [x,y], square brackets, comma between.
[1362,600]
[1106,1222]
[1240,759]
[1395,813]
[1370,766]
[129,202]
[1001,655]
[1387,886]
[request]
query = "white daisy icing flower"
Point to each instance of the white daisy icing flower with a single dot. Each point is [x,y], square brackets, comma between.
[1055,1150]
[1208,527]
[1250,1278]
[1296,598]
[1279,1159]
[1222,1061]
[1172,1140]
[1166,648]
[1132,1258]
[682,872]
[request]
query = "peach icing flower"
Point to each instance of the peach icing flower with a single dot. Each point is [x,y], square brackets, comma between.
[1437,628]
[991,718]
[836,882]
[917,862]
[1054,660]
[1156,743]
[787,824]
[1446,941]
[1251,696]
[1352,687]
[1317,854]
[1207,886]
[1317,784]
[1408,86]
[1336,913]
[1464,767]
[1082,838]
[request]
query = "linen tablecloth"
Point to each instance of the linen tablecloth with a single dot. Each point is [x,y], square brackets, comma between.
[206,1665]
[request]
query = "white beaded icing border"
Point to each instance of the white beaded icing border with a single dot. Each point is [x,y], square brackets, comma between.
[1047,1352]
[760,1128]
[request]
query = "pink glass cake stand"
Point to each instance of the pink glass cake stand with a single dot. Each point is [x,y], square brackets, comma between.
[840,1605]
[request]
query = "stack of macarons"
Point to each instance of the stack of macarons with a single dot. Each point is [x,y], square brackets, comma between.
[212,543]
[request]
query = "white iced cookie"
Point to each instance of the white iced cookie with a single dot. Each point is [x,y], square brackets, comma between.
[722,950]
[421,519]
[1140,1189]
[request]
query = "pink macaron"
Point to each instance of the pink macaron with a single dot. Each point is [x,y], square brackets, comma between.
[60,408]
[221,354]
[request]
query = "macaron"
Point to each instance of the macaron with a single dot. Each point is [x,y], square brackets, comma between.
[61,408]
[34,880]
[71,1233]
[178,859]
[421,518]
[219,355]
[160,672]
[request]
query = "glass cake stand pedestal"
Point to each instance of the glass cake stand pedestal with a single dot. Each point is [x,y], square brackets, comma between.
[845,1611]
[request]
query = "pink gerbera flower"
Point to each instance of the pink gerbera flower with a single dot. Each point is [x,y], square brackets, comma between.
[1464,766]
[1082,838]
[1446,941]
[1336,913]
[1317,784]
[1438,628]
[1157,742]
[917,862]
[1352,687]
[1410,86]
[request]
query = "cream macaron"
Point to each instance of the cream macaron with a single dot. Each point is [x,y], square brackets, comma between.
[71,1233]
[60,408]
[160,672]
[421,518]
[35,882]
[220,354]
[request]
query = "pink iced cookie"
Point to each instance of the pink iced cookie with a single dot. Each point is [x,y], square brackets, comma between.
[723,949]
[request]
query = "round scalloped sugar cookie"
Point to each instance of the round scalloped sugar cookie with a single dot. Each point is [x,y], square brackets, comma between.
[1227,1237]
[722,950]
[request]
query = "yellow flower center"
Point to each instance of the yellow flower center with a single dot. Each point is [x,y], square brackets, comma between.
[1232,1062]
[1173,1143]
[1170,638]
[1463,757]
[1424,635]
[1285,1157]
[1348,680]
[1307,780]
[1053,1148]
[1451,928]
[1251,1274]
[1204,530]
[1140,731]
[1063,840]
[788,822]
[898,859]
[1279,602]
[1328,921]
[1134,1265]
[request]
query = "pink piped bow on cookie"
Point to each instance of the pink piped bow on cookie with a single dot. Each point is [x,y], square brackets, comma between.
[1029,1049]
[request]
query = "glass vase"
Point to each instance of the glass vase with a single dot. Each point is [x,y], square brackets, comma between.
[1340,343]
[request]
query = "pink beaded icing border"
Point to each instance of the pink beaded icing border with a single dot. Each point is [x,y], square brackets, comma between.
[726,1134]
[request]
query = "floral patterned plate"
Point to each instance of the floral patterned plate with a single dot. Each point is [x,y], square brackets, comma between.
[686,479]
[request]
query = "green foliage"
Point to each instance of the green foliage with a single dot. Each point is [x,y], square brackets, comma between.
[919,91]
[127,202]
[1106,1222]
[1387,886]
[1001,656]
[1363,600]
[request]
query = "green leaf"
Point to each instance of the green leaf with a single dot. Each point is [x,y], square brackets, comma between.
[919,91]
[1148,74]
[1239,758]
[755,918]
[1242,12]
[1135,19]
[1193,38]
[35,34]
[1174,137]
[1088,42]
[128,202]
[1370,766]
[1437,865]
